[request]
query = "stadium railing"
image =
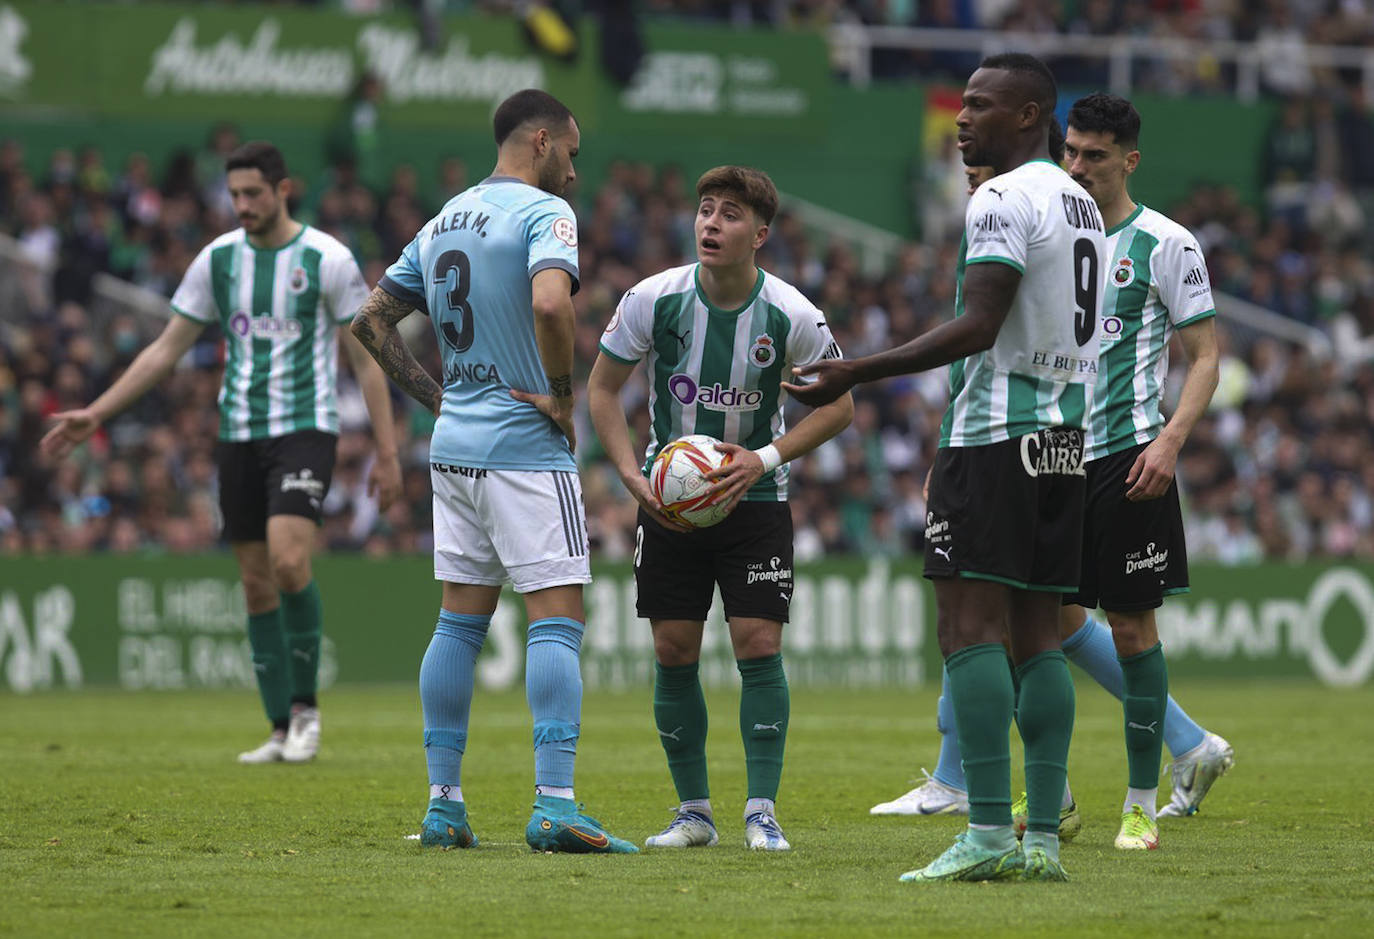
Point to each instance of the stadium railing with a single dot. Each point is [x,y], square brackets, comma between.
[852,46]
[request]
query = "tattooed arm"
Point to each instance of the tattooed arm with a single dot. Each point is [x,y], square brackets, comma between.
[554,320]
[375,328]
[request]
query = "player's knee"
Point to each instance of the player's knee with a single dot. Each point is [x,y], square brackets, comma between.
[673,651]
[290,571]
[759,644]
[1133,633]
[260,594]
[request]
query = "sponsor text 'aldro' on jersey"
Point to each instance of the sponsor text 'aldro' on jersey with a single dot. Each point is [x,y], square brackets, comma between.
[470,268]
[280,310]
[714,371]
[1156,282]
[1040,371]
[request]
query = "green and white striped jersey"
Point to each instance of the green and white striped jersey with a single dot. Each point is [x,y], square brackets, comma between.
[1040,371]
[714,371]
[280,310]
[1156,282]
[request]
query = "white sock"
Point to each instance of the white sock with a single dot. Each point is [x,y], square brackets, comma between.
[759,805]
[700,806]
[1068,796]
[557,792]
[451,791]
[1145,798]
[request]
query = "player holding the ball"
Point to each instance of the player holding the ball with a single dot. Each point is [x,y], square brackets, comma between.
[718,338]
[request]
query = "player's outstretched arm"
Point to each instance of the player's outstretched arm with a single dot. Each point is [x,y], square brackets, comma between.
[384,480]
[1153,470]
[745,466]
[375,327]
[989,289]
[555,322]
[608,418]
[147,369]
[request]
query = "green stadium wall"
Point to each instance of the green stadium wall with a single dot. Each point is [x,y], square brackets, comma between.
[162,622]
[156,77]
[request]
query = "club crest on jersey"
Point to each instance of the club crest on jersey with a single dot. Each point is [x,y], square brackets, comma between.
[298,281]
[762,353]
[1124,272]
[565,230]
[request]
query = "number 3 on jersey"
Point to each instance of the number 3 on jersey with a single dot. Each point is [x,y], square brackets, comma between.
[1085,290]
[455,323]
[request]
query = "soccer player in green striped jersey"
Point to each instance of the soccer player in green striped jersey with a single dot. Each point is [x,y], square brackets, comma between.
[1156,288]
[278,290]
[1004,516]
[717,338]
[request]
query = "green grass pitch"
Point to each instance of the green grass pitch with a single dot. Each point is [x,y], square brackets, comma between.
[126,815]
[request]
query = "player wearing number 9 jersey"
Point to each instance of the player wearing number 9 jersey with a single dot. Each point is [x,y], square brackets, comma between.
[1004,519]
[496,270]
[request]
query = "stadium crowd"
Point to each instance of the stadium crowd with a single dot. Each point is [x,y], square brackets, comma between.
[1282,467]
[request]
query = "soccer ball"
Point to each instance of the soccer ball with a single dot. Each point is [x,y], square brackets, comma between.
[678,480]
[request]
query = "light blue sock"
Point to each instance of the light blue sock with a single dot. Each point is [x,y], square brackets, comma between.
[446,681]
[553,687]
[950,768]
[1092,649]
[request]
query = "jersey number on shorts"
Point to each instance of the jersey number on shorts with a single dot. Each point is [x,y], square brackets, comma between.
[458,335]
[1085,287]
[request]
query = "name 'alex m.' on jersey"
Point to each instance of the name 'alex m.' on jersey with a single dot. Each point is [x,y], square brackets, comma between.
[470,269]
[1156,282]
[279,310]
[714,371]
[1040,371]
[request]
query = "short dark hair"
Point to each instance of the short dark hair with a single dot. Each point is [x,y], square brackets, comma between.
[1056,141]
[1036,80]
[261,156]
[1104,113]
[529,105]
[744,184]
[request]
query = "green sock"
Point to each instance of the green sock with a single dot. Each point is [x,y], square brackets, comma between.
[680,713]
[764,709]
[1045,716]
[268,642]
[302,615]
[980,685]
[1144,698]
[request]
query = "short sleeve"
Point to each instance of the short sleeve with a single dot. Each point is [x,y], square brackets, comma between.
[552,239]
[998,225]
[629,334]
[810,340]
[194,297]
[404,279]
[1180,275]
[344,286]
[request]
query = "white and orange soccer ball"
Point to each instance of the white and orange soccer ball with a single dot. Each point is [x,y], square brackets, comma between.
[678,481]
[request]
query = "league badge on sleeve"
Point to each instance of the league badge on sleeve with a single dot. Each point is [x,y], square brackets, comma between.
[565,230]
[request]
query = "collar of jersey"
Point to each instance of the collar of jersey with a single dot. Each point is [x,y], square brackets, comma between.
[503,179]
[1139,207]
[712,308]
[294,238]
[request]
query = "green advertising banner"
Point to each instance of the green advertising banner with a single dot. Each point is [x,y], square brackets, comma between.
[289,65]
[178,622]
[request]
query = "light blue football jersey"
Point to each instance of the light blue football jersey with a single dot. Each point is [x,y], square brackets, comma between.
[470,268]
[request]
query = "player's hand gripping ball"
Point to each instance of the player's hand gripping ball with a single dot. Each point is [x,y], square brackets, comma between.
[678,481]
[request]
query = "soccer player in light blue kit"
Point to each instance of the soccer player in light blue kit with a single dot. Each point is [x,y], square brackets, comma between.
[496,270]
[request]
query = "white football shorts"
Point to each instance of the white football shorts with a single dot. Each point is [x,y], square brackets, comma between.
[525,526]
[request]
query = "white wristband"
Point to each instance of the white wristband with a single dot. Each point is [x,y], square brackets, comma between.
[770,456]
